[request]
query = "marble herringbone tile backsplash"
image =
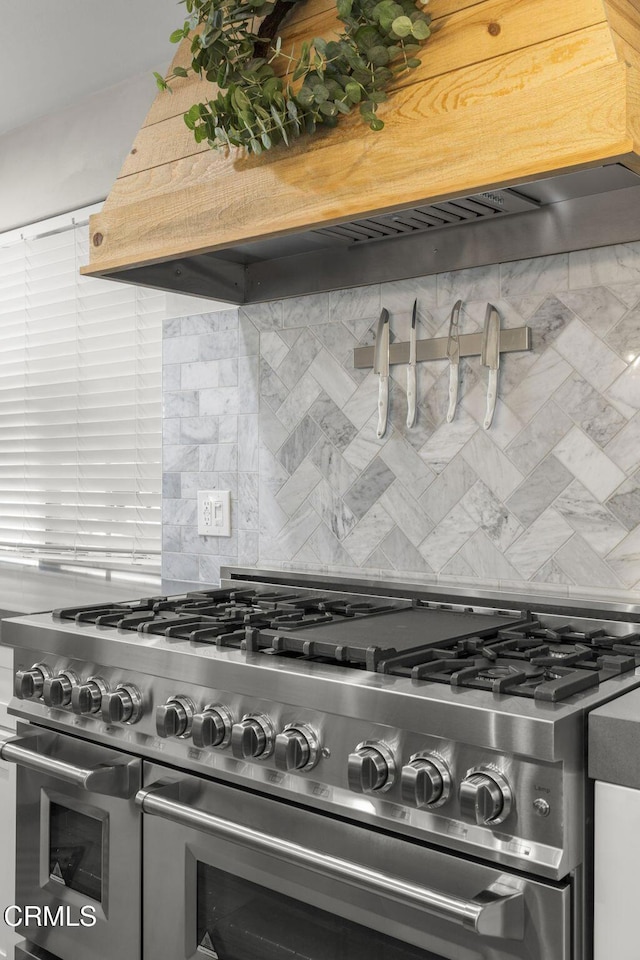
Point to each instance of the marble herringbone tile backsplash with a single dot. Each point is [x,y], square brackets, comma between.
[265,401]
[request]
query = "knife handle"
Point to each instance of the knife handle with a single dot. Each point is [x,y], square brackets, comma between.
[383,406]
[492,393]
[411,394]
[453,391]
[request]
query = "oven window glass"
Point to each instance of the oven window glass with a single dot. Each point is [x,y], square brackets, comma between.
[239,920]
[75,850]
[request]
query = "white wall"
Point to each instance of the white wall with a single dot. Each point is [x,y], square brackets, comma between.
[71,158]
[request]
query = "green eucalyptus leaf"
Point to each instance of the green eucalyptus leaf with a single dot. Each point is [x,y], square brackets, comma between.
[413,62]
[379,56]
[177,36]
[402,26]
[179,72]
[376,123]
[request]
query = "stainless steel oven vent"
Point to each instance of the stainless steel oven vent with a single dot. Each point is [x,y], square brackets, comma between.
[435,216]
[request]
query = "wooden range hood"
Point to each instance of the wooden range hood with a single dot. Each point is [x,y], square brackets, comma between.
[529,108]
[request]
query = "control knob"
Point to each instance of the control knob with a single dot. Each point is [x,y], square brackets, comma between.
[175,717]
[252,738]
[371,767]
[425,781]
[29,684]
[57,690]
[212,727]
[485,797]
[87,697]
[122,705]
[297,747]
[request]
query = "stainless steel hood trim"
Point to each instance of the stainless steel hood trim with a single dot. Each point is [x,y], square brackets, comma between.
[608,213]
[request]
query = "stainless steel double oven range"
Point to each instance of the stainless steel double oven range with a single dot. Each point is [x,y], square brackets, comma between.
[311,769]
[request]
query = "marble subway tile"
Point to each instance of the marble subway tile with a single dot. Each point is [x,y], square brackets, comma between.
[548,322]
[199,430]
[368,488]
[219,346]
[248,548]
[475,283]
[368,533]
[624,338]
[363,402]
[171,430]
[586,461]
[448,440]
[625,502]
[336,427]
[332,465]
[215,457]
[272,517]
[171,538]
[619,263]
[180,458]
[485,559]
[228,429]
[273,349]
[179,566]
[171,328]
[298,402]
[448,488]
[264,316]
[272,473]
[406,512]
[402,554]
[539,490]
[599,419]
[246,504]
[459,568]
[299,444]
[552,573]
[190,483]
[271,432]
[540,275]
[539,436]
[298,359]
[624,449]
[171,485]
[209,570]
[598,307]
[332,377]
[248,338]
[505,425]
[272,389]
[332,510]
[181,403]
[589,355]
[306,311]
[355,302]
[363,448]
[340,343]
[588,517]
[328,549]
[171,376]
[626,389]
[181,350]
[451,533]
[406,464]
[293,534]
[491,516]
[297,488]
[541,381]
[539,543]
[584,566]
[206,323]
[398,295]
[491,465]
[248,434]
[197,545]
[179,511]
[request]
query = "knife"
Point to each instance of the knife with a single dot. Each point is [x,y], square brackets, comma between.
[381,367]
[453,352]
[490,356]
[411,371]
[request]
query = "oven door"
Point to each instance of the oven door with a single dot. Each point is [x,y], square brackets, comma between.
[77,846]
[230,875]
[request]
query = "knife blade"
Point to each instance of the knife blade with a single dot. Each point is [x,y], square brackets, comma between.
[381,367]
[411,370]
[453,352]
[490,356]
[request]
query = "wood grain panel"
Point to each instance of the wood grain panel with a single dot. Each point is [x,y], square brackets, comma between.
[464,40]
[583,122]
[554,61]
[523,23]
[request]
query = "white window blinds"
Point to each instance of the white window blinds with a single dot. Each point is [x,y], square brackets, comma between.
[80,408]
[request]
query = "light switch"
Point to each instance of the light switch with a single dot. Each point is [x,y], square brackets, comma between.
[214,513]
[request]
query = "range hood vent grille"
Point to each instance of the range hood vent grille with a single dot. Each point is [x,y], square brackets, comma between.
[435,216]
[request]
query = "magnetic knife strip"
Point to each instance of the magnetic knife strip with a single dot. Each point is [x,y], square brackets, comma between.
[511,341]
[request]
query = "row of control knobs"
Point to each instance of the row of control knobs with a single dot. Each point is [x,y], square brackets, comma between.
[484,794]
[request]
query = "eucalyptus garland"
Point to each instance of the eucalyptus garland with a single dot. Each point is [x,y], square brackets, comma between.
[267,95]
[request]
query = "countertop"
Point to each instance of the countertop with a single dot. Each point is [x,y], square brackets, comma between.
[614,741]
[32,590]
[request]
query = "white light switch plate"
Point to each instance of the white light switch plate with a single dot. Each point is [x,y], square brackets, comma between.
[214,513]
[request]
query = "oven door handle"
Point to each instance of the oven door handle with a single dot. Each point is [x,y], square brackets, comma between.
[111,779]
[497,911]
